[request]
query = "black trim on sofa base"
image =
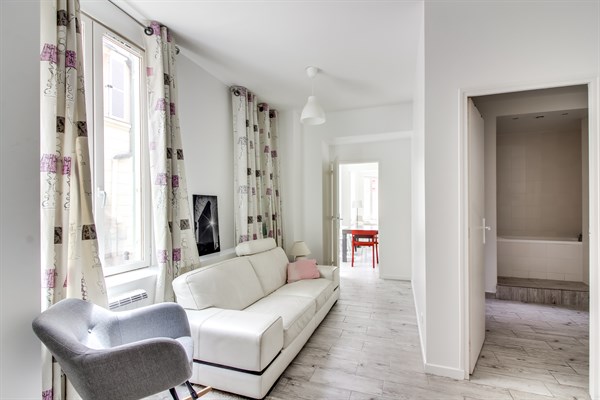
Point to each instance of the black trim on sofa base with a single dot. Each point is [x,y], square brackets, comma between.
[238,369]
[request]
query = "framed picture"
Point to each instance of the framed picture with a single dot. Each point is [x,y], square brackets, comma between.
[206,224]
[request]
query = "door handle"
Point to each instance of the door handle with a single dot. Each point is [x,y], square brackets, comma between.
[484,228]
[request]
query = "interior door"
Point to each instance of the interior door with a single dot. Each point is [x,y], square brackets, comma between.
[334,212]
[477,231]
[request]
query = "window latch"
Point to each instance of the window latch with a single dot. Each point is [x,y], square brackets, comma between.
[101,197]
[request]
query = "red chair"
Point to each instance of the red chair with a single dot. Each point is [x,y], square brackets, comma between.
[365,238]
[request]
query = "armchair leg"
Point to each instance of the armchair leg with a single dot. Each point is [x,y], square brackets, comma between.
[174,394]
[191,390]
[193,393]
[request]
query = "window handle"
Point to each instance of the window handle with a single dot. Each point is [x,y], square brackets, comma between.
[102,197]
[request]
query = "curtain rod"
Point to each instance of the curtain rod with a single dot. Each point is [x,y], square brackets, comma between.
[147,29]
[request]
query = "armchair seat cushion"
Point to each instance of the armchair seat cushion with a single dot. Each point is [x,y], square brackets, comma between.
[188,345]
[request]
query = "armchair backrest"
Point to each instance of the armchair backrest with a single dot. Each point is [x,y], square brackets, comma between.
[72,325]
[72,328]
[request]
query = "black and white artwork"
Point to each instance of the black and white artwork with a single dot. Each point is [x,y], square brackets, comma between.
[206,224]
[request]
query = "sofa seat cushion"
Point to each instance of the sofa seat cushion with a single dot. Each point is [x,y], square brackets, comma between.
[296,312]
[238,339]
[318,289]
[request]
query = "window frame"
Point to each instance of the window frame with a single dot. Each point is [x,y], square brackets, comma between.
[93,35]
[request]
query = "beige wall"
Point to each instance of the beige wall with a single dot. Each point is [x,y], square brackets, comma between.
[539,183]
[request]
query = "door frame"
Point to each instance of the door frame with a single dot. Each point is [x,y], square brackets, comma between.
[593,85]
[336,170]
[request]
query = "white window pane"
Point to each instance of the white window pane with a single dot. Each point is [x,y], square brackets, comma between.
[117,104]
[122,212]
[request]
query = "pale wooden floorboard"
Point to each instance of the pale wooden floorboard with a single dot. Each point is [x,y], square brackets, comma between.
[368,348]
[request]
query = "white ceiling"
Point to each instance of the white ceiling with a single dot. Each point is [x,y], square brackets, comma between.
[541,121]
[366,49]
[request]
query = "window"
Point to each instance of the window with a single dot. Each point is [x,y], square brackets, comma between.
[115,98]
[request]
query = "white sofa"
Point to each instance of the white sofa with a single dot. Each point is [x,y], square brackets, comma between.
[247,323]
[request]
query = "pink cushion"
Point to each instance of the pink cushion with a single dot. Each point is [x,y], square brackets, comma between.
[302,269]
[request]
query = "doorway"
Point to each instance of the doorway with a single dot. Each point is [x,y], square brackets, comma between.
[358,208]
[501,111]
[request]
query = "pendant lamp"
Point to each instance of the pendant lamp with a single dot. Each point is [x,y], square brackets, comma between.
[312,113]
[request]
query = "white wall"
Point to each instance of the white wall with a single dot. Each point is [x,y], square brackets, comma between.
[291,145]
[419,282]
[493,106]
[206,131]
[480,45]
[394,161]
[352,126]
[539,182]
[419,270]
[20,302]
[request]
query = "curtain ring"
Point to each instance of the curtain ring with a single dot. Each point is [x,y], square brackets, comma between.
[148,31]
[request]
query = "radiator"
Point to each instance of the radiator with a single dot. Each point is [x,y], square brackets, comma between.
[129,300]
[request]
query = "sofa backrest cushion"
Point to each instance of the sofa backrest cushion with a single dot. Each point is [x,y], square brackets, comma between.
[271,268]
[255,246]
[302,269]
[230,284]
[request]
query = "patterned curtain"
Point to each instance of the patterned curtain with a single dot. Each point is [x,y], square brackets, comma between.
[257,177]
[176,250]
[69,256]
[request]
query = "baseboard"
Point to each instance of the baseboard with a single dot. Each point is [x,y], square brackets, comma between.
[395,277]
[453,373]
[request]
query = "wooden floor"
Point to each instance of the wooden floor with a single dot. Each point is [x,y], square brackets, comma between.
[368,348]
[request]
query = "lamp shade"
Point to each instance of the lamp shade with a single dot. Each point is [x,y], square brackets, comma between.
[357,204]
[312,113]
[299,249]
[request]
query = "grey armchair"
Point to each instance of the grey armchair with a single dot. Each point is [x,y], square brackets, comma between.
[119,355]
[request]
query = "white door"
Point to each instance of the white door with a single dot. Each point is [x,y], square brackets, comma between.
[477,231]
[334,213]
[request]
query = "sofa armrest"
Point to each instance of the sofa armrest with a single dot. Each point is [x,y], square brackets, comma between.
[238,339]
[330,272]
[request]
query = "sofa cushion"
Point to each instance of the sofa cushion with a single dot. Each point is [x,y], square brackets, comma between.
[318,289]
[255,246]
[296,312]
[238,339]
[302,269]
[271,268]
[231,284]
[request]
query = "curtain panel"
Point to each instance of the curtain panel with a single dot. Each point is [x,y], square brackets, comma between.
[257,178]
[70,259]
[176,251]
